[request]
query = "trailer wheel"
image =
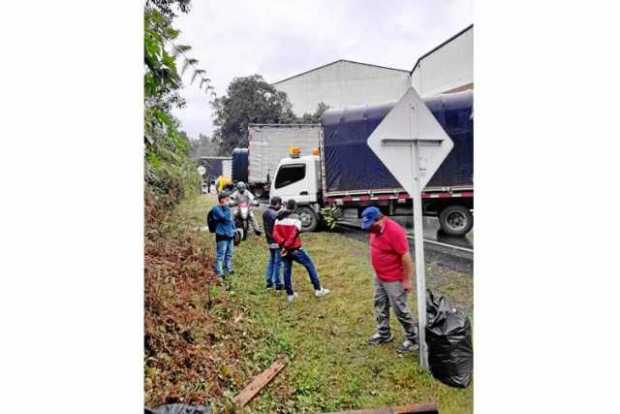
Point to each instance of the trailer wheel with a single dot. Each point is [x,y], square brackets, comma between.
[309,219]
[456,220]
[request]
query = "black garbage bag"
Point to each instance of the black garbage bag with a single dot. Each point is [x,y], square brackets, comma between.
[448,335]
[177,408]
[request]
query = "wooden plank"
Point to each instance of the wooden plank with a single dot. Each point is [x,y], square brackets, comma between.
[427,408]
[258,383]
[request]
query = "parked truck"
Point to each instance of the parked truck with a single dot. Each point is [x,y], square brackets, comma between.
[269,143]
[349,176]
[213,166]
[240,165]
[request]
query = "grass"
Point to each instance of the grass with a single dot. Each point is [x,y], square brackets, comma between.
[331,366]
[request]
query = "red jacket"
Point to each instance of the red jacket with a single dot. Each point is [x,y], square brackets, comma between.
[286,230]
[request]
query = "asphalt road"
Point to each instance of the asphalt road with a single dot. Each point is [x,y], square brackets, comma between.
[436,254]
[454,253]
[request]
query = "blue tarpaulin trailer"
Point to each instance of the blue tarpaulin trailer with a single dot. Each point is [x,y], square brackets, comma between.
[240,165]
[350,167]
[347,176]
[213,166]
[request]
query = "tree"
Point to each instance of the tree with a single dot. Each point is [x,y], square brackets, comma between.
[166,7]
[204,146]
[248,100]
[169,171]
[314,118]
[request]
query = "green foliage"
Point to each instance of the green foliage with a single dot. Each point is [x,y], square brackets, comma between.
[314,118]
[204,146]
[160,77]
[167,7]
[332,367]
[169,172]
[331,214]
[251,100]
[248,100]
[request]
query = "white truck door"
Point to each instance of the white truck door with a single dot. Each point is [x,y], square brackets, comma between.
[296,180]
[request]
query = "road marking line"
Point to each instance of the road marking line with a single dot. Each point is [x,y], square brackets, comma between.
[409,236]
[451,246]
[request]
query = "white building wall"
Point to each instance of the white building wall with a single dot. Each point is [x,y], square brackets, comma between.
[449,68]
[344,83]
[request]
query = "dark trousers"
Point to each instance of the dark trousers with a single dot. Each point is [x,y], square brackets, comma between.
[300,256]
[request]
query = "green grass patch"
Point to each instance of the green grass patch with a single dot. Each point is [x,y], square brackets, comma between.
[331,366]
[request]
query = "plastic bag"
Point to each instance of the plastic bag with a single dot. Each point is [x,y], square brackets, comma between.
[177,408]
[448,335]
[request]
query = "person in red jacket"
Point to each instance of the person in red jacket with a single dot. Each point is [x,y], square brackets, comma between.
[286,233]
[391,261]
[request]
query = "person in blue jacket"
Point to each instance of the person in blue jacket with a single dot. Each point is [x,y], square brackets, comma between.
[224,235]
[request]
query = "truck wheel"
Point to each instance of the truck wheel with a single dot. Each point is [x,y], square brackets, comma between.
[456,220]
[309,219]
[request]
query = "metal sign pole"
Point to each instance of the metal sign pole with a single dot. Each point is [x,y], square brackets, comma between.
[418,235]
[411,125]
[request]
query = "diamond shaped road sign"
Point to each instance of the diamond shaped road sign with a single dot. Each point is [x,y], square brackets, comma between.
[410,121]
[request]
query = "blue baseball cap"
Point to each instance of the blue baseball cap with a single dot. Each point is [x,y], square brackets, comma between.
[369,216]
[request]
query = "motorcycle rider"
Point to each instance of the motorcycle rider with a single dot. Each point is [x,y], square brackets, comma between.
[243,195]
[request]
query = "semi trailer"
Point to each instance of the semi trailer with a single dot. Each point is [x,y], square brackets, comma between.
[347,175]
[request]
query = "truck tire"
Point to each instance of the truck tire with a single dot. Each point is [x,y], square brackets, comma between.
[456,220]
[309,219]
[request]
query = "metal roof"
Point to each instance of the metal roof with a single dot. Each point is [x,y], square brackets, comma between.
[338,61]
[442,44]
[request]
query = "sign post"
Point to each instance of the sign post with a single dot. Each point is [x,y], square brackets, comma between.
[419,258]
[412,145]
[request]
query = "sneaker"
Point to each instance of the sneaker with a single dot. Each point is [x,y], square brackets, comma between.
[407,346]
[258,232]
[378,339]
[321,292]
[269,286]
[292,297]
[279,287]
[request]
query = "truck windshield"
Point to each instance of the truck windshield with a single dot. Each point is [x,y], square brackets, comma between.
[289,174]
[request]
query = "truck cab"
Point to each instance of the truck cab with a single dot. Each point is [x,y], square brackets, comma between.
[298,177]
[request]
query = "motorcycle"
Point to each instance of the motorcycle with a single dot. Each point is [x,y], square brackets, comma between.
[242,221]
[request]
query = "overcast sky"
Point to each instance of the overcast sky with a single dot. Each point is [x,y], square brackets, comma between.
[280,38]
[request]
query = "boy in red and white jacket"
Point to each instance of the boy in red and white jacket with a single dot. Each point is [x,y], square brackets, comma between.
[286,233]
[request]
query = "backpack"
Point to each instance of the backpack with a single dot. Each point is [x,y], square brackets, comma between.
[211,221]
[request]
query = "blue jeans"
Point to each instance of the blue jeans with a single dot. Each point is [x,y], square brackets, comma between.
[300,256]
[224,252]
[274,268]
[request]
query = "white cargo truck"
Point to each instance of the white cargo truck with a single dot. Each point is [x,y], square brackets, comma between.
[269,143]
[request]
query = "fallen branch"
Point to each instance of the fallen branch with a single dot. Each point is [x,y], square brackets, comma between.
[258,383]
